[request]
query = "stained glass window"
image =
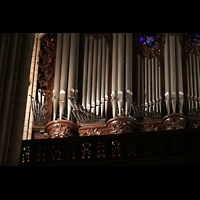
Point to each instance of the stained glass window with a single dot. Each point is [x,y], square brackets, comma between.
[148,39]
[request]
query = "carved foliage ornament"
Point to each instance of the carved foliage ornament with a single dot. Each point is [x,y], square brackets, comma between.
[174,123]
[93,131]
[107,36]
[60,131]
[119,127]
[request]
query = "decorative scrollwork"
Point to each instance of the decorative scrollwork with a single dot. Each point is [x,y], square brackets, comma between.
[174,123]
[60,131]
[149,128]
[93,131]
[119,126]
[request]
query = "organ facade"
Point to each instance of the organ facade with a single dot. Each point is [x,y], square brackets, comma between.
[112,83]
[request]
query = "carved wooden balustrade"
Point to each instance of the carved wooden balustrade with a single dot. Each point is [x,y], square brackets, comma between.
[134,148]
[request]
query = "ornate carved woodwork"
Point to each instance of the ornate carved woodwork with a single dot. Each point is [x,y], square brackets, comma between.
[174,122]
[61,129]
[47,56]
[107,36]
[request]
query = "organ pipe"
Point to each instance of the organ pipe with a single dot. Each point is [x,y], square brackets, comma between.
[64,73]
[85,66]
[114,73]
[72,68]
[103,75]
[57,74]
[120,80]
[94,77]
[106,81]
[179,75]
[166,67]
[173,72]
[198,79]
[89,76]
[146,87]
[98,77]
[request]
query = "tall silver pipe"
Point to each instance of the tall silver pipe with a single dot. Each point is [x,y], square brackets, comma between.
[138,80]
[142,81]
[191,82]
[72,69]
[159,89]
[120,80]
[156,84]
[173,72]
[114,73]
[57,74]
[85,66]
[98,92]
[146,86]
[153,84]
[64,73]
[188,84]
[106,81]
[179,75]
[89,77]
[194,80]
[103,76]
[94,77]
[167,68]
[149,85]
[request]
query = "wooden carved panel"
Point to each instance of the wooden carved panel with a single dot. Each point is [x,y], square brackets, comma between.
[46,70]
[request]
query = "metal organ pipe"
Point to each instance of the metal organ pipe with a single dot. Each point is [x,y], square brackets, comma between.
[114,73]
[106,81]
[103,76]
[89,77]
[94,77]
[173,72]
[98,77]
[120,71]
[85,66]
[57,74]
[64,73]
[72,68]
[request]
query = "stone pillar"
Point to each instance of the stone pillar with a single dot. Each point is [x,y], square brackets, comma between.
[15,87]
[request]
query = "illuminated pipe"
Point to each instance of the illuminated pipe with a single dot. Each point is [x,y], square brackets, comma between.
[180,76]
[149,84]
[72,69]
[85,72]
[94,77]
[89,78]
[146,86]
[120,79]
[166,67]
[64,73]
[138,80]
[98,92]
[153,84]
[106,81]
[114,73]
[173,72]
[194,80]
[156,84]
[57,74]
[191,82]
[103,75]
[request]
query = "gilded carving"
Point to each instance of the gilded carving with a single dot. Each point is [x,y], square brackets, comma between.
[119,127]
